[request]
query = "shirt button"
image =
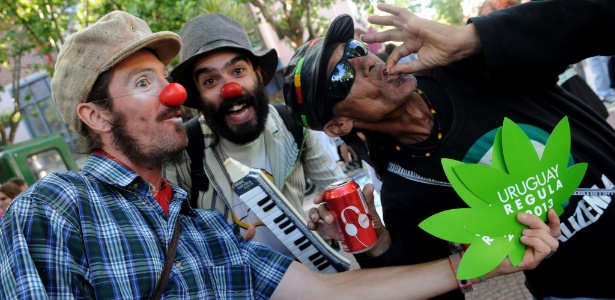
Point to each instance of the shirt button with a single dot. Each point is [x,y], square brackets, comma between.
[178,264]
[136,185]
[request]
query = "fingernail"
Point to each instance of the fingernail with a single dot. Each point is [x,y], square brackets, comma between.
[523,216]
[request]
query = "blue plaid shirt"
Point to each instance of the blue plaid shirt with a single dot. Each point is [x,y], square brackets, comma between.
[99,233]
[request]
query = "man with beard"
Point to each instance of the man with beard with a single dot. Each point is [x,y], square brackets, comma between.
[217,53]
[494,68]
[107,231]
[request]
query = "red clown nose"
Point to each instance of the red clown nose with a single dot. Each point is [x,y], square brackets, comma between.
[173,94]
[231,90]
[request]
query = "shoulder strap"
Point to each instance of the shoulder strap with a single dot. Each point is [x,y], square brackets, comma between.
[196,151]
[168,264]
[296,130]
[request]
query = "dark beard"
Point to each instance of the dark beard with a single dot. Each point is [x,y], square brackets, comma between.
[152,158]
[245,133]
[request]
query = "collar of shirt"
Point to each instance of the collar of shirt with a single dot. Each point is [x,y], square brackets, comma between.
[113,172]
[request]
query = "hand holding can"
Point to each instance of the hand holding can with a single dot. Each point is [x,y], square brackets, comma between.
[353,220]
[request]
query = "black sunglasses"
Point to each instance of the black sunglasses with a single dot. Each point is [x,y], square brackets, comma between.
[342,76]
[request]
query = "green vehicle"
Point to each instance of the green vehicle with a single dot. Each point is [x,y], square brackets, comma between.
[35,158]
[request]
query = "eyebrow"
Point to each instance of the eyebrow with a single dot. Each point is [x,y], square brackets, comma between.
[232,61]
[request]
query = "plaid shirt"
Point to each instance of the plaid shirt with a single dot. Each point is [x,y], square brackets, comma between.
[100,234]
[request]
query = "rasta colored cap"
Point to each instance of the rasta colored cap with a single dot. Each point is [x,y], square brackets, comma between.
[211,32]
[305,79]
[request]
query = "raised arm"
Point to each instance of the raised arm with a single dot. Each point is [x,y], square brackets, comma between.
[548,31]
[436,44]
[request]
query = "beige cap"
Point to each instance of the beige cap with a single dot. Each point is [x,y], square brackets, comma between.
[95,49]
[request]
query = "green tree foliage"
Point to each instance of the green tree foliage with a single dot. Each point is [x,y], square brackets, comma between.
[448,11]
[293,18]
[171,15]
[413,5]
[28,27]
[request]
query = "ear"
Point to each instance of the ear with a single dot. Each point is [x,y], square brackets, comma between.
[94,117]
[338,126]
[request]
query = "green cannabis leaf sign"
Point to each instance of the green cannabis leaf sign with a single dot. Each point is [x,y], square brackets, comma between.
[517,181]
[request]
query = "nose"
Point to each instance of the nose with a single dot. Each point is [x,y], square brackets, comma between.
[173,94]
[231,90]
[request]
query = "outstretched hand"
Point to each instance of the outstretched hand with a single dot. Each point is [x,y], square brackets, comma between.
[434,43]
[323,221]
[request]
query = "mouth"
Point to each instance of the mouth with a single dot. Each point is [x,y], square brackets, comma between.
[173,115]
[239,113]
[386,76]
[397,80]
[236,108]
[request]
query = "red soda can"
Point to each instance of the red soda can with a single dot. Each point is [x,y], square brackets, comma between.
[354,223]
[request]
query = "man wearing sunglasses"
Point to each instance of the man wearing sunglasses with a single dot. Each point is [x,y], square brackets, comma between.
[412,121]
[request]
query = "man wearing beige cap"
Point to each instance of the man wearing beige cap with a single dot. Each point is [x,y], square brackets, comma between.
[118,230]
